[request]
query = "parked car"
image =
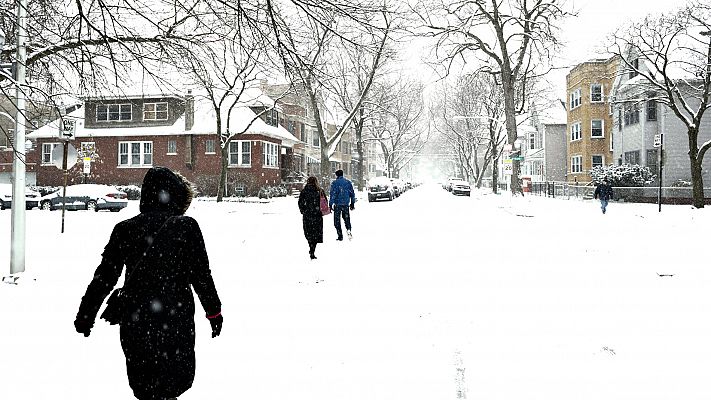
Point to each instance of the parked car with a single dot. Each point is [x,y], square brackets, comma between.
[86,197]
[397,186]
[31,197]
[458,186]
[380,188]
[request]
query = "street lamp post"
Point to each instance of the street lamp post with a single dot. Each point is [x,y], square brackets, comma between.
[17,218]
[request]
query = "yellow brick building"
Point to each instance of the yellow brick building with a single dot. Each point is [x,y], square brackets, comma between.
[589,125]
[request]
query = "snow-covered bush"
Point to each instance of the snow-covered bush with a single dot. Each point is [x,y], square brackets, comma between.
[625,175]
[681,183]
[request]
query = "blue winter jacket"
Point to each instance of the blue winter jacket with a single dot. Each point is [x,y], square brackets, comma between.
[342,193]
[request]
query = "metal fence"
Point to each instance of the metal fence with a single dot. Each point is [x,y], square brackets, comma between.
[646,194]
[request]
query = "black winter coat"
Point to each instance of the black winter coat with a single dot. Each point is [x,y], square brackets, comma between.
[310,207]
[603,191]
[158,332]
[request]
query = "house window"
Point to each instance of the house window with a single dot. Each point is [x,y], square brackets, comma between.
[532,142]
[597,161]
[113,112]
[652,161]
[271,117]
[241,153]
[619,119]
[135,154]
[634,68]
[172,147]
[595,93]
[302,132]
[270,153]
[315,139]
[575,132]
[47,149]
[576,164]
[575,97]
[155,111]
[210,146]
[7,137]
[631,114]
[651,110]
[597,128]
[632,157]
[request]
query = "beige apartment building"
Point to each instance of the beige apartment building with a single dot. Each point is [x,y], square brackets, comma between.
[590,121]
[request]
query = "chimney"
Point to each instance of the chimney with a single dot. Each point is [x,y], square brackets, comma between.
[189,110]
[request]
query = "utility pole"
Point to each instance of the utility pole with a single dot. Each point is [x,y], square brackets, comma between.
[17,244]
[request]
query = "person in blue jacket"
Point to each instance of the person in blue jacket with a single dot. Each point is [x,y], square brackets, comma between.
[341,202]
[604,192]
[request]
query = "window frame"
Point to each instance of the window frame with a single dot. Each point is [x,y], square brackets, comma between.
[240,154]
[175,145]
[651,105]
[579,164]
[142,153]
[270,155]
[155,111]
[576,99]
[120,112]
[602,129]
[52,145]
[207,148]
[602,96]
[579,131]
[592,160]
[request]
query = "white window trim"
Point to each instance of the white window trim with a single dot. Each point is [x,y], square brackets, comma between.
[602,93]
[580,131]
[265,147]
[577,95]
[169,153]
[142,164]
[603,129]
[572,164]
[130,106]
[213,146]
[155,106]
[53,145]
[239,155]
[597,155]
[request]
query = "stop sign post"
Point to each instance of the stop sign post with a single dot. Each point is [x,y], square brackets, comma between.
[67,130]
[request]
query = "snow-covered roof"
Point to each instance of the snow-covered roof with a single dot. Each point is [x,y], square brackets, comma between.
[204,123]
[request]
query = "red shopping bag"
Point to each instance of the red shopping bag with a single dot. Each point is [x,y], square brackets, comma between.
[325,209]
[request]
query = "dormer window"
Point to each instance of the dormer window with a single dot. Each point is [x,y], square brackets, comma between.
[113,112]
[155,111]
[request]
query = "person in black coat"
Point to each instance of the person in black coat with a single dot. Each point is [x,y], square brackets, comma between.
[166,251]
[604,192]
[310,207]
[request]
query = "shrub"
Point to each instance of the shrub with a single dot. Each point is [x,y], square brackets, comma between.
[133,192]
[625,175]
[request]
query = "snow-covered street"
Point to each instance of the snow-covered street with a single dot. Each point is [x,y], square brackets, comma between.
[535,298]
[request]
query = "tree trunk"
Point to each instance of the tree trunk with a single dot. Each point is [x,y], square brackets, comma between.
[697,180]
[511,131]
[359,144]
[224,161]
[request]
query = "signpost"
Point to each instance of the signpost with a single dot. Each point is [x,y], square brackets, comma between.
[67,130]
[659,142]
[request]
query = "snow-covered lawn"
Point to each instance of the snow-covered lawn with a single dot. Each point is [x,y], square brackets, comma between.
[535,298]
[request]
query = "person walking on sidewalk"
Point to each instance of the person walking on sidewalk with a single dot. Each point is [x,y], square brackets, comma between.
[604,192]
[341,203]
[312,215]
[165,259]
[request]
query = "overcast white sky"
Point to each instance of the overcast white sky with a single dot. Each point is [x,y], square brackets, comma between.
[585,34]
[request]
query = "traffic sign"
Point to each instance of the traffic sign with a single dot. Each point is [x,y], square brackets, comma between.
[508,168]
[69,127]
[517,158]
[658,140]
[58,155]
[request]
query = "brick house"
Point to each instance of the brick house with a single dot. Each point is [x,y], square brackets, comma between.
[124,136]
[589,123]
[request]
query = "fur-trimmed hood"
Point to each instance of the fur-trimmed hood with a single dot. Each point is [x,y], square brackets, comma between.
[165,190]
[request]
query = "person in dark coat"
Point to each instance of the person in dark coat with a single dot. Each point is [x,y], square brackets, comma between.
[310,208]
[342,203]
[158,327]
[604,192]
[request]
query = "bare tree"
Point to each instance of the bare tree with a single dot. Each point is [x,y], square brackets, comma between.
[397,123]
[509,39]
[672,54]
[307,55]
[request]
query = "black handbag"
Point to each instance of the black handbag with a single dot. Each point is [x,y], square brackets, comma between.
[115,310]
